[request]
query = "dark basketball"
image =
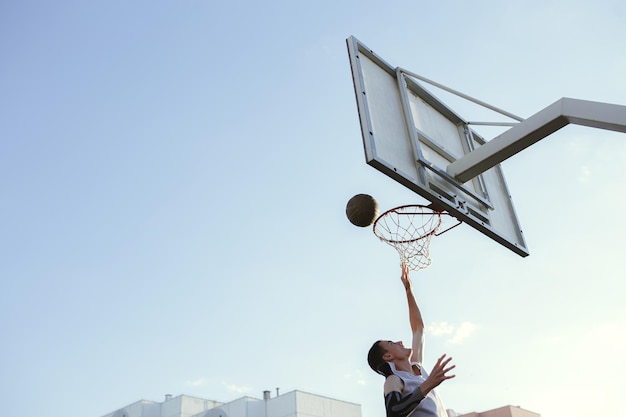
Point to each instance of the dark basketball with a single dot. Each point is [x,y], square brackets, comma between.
[362,210]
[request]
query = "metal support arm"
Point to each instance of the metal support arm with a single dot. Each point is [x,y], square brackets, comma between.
[538,126]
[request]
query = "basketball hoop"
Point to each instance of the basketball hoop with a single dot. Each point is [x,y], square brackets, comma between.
[409,230]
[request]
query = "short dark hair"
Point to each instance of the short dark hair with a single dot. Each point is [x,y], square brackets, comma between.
[376,361]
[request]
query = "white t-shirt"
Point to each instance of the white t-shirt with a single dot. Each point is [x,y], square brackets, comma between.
[431,406]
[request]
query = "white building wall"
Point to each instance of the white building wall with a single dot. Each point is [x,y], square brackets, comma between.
[309,405]
[185,406]
[139,409]
[172,407]
[282,406]
[291,404]
[242,407]
[303,404]
[214,412]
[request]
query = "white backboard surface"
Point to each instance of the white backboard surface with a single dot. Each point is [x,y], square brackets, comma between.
[411,136]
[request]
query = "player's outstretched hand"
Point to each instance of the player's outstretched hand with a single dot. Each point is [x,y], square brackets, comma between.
[438,374]
[406,279]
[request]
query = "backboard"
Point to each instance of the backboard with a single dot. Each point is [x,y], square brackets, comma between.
[412,136]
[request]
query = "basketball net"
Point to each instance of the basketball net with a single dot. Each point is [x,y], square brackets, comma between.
[409,230]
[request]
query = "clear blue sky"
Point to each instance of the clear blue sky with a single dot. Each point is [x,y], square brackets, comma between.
[174,176]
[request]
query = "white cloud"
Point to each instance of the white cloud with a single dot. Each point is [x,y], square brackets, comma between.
[439,328]
[197,382]
[464,330]
[356,378]
[458,332]
[239,389]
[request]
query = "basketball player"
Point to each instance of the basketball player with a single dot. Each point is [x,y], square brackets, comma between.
[408,388]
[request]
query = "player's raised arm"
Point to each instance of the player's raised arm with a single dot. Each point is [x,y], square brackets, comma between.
[415,318]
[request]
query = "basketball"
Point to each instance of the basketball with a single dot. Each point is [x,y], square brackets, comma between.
[362,210]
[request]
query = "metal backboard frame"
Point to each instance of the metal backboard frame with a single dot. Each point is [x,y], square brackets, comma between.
[412,136]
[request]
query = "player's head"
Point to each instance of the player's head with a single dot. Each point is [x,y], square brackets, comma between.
[376,361]
[384,351]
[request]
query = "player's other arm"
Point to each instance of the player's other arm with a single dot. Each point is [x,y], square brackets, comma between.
[415,318]
[398,406]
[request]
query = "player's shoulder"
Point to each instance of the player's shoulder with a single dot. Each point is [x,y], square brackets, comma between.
[393,383]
